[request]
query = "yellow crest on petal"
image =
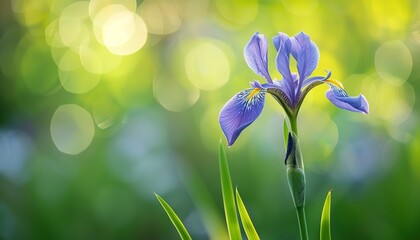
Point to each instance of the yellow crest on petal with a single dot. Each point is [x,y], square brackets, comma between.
[254,91]
[335,83]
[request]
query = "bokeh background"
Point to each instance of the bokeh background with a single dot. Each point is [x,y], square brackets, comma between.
[104,102]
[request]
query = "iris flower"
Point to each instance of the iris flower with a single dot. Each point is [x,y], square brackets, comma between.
[245,107]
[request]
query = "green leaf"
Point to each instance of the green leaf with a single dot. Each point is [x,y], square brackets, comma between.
[249,228]
[285,134]
[325,230]
[228,197]
[183,233]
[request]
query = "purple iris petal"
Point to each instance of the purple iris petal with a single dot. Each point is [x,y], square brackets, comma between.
[241,110]
[340,99]
[306,54]
[256,84]
[256,55]
[278,84]
[283,46]
[317,78]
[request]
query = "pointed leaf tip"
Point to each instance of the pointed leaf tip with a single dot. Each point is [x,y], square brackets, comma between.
[247,224]
[182,231]
[325,228]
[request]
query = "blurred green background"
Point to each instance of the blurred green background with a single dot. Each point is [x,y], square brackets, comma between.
[104,102]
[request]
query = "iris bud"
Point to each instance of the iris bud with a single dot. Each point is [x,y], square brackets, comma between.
[295,172]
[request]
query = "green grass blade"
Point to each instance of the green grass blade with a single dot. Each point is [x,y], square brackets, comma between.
[285,134]
[249,228]
[325,230]
[228,197]
[183,233]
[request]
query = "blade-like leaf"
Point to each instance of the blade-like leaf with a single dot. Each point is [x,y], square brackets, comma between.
[325,230]
[285,134]
[183,233]
[228,197]
[249,228]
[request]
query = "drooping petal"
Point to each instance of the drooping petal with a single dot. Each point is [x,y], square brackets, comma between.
[240,111]
[306,54]
[255,53]
[342,100]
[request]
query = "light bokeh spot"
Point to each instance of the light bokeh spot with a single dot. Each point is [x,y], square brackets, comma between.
[72,129]
[90,60]
[52,35]
[102,16]
[388,102]
[96,58]
[96,6]
[67,61]
[174,96]
[161,17]
[123,32]
[118,29]
[393,62]
[207,66]
[79,80]
[72,27]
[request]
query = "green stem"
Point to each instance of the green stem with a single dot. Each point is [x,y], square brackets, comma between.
[302,223]
[300,210]
[293,124]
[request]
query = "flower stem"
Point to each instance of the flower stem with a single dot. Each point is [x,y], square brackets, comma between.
[299,200]
[302,223]
[293,124]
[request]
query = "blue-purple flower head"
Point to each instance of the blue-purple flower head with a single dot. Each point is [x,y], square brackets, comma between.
[245,107]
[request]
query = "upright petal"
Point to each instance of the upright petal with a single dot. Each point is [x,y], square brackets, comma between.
[240,111]
[283,46]
[256,55]
[306,54]
[342,100]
